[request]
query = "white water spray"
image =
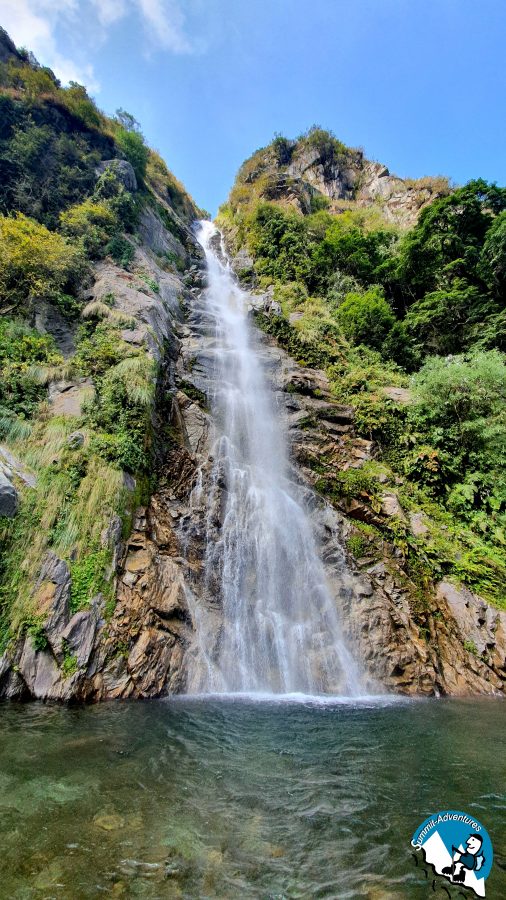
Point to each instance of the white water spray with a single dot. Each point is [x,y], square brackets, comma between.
[280,631]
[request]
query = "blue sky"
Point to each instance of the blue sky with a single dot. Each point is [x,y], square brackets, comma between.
[419,84]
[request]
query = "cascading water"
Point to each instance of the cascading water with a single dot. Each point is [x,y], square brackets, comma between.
[280,630]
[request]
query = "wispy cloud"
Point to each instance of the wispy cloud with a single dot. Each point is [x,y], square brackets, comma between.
[110,11]
[45,26]
[32,24]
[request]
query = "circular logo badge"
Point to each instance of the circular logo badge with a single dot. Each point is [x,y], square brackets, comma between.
[457,847]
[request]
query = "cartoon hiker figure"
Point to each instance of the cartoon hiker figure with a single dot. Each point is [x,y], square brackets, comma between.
[470,860]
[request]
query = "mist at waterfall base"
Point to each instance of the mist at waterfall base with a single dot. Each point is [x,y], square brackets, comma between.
[280,631]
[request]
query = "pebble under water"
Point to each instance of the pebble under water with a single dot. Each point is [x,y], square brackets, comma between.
[230,798]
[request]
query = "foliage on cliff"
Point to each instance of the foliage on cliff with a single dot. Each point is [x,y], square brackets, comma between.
[421,309]
[68,198]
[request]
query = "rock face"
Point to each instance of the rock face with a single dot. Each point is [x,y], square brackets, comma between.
[7,47]
[123,171]
[8,497]
[309,172]
[49,320]
[145,646]
[68,397]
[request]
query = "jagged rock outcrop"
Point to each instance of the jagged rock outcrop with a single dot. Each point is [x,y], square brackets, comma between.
[309,169]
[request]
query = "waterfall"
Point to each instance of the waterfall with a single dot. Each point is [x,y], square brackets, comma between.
[280,628]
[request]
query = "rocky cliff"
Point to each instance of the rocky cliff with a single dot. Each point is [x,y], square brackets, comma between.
[457,645]
[317,171]
[106,500]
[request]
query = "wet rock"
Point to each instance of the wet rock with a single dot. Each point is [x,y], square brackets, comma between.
[137,561]
[195,423]
[109,821]
[9,500]
[149,662]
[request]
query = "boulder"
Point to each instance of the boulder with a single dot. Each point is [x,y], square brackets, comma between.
[10,465]
[391,507]
[398,394]
[75,440]
[242,263]
[68,397]
[123,171]
[8,497]
[417,523]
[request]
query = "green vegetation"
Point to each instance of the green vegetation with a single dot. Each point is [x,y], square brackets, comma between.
[379,308]
[62,210]
[21,349]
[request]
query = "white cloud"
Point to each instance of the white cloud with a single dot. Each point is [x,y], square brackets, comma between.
[43,26]
[164,22]
[109,11]
[32,24]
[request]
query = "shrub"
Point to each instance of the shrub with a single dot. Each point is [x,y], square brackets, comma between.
[88,577]
[97,352]
[77,101]
[35,263]
[110,188]
[131,143]
[21,348]
[121,250]
[92,223]
[366,318]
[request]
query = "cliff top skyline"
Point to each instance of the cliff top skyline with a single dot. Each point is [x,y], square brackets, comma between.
[210,82]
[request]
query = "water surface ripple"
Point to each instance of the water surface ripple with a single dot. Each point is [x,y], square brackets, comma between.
[198,798]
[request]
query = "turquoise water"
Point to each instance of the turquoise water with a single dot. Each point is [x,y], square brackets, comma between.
[238,799]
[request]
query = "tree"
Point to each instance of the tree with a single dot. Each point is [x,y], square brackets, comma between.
[349,248]
[446,242]
[493,256]
[366,318]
